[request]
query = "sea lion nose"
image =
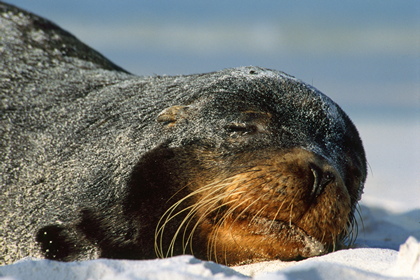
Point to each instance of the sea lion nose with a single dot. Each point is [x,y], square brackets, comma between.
[321,179]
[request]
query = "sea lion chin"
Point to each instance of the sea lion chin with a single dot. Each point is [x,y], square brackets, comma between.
[235,166]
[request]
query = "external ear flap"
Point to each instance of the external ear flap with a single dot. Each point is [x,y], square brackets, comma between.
[171,115]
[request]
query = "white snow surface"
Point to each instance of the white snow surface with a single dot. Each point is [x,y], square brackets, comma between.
[360,263]
[387,246]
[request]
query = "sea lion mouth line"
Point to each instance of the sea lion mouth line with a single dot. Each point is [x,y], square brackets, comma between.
[276,225]
[313,246]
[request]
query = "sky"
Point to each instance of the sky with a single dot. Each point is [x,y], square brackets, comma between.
[364,54]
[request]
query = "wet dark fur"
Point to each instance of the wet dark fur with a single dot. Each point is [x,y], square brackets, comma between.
[92,157]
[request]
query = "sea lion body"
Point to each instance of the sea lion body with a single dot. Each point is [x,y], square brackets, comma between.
[236,166]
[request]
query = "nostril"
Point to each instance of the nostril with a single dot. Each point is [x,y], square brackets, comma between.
[321,180]
[327,177]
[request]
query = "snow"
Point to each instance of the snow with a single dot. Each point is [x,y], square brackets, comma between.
[387,246]
[360,263]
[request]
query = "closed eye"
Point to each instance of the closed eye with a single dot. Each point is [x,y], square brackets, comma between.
[241,128]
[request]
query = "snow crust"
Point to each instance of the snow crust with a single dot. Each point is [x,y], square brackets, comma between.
[359,263]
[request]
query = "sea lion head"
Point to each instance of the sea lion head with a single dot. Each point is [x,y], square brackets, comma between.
[256,165]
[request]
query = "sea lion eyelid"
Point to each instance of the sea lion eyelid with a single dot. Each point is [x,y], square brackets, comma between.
[241,128]
[256,115]
[250,122]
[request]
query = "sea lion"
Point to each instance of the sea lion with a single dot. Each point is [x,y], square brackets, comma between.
[235,166]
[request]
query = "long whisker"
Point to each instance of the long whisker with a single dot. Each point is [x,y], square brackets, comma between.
[170,215]
[212,241]
[204,203]
[212,246]
[291,209]
[210,206]
[193,208]
[203,217]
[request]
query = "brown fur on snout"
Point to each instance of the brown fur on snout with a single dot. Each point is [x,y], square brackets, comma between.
[266,209]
